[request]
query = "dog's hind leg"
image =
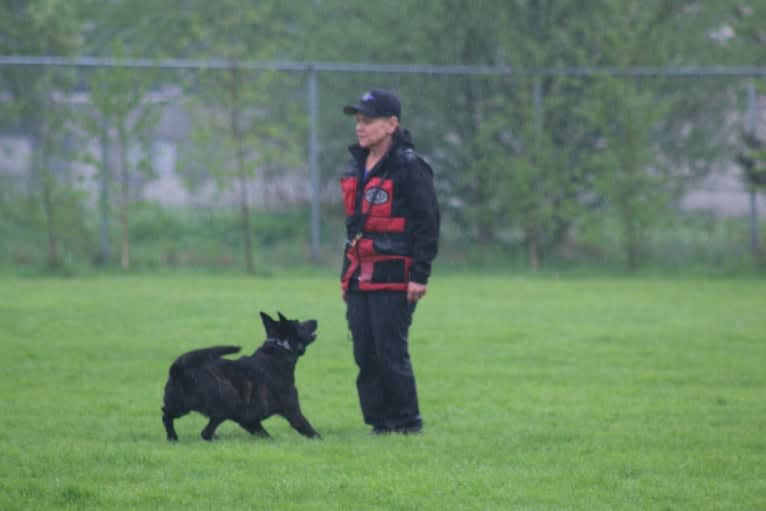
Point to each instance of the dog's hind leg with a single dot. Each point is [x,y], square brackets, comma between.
[167,421]
[255,428]
[300,423]
[207,433]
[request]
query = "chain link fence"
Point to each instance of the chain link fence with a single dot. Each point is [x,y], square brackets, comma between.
[177,162]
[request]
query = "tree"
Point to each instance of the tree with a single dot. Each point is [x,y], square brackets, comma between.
[547,147]
[125,115]
[120,100]
[246,116]
[741,33]
[747,45]
[753,159]
[41,27]
[242,119]
[636,121]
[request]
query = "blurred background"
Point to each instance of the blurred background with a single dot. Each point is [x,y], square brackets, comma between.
[616,135]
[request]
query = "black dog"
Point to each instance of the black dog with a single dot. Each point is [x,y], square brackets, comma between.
[247,390]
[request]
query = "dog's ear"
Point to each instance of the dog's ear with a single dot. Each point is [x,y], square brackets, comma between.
[271,326]
[286,327]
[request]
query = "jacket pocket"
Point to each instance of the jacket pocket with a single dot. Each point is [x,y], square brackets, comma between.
[389,270]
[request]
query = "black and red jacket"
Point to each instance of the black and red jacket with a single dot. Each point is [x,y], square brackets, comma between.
[392,219]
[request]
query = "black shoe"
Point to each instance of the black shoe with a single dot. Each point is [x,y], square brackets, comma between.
[381,430]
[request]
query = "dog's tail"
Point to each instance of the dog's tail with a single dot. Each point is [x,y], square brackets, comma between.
[198,358]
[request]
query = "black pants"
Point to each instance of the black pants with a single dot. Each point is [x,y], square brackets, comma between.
[379,323]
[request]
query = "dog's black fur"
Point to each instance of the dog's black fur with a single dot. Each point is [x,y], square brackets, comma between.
[247,390]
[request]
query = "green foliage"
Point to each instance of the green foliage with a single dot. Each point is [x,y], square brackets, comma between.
[642,394]
[23,226]
[748,41]
[688,244]
[153,222]
[523,158]
[210,239]
[752,159]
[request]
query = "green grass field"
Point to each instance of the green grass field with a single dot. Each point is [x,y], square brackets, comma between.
[538,394]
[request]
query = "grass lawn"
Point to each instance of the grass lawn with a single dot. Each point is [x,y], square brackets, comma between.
[538,394]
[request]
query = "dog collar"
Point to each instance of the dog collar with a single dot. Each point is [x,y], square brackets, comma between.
[282,343]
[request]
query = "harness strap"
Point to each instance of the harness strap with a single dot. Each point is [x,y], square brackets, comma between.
[360,204]
[282,343]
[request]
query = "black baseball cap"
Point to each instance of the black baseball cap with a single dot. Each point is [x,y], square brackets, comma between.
[376,103]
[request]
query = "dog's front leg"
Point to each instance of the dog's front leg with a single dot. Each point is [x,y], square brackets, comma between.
[207,433]
[300,423]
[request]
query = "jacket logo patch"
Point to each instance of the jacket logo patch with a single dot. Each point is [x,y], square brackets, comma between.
[376,195]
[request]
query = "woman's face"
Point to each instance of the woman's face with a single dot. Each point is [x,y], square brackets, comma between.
[373,131]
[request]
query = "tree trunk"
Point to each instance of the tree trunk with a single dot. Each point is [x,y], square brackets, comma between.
[483,187]
[47,196]
[533,248]
[246,229]
[236,132]
[124,196]
[629,191]
[629,197]
[485,216]
[631,229]
[105,248]
[54,258]
[632,242]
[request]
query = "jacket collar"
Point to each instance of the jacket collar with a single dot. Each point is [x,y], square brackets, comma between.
[401,139]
